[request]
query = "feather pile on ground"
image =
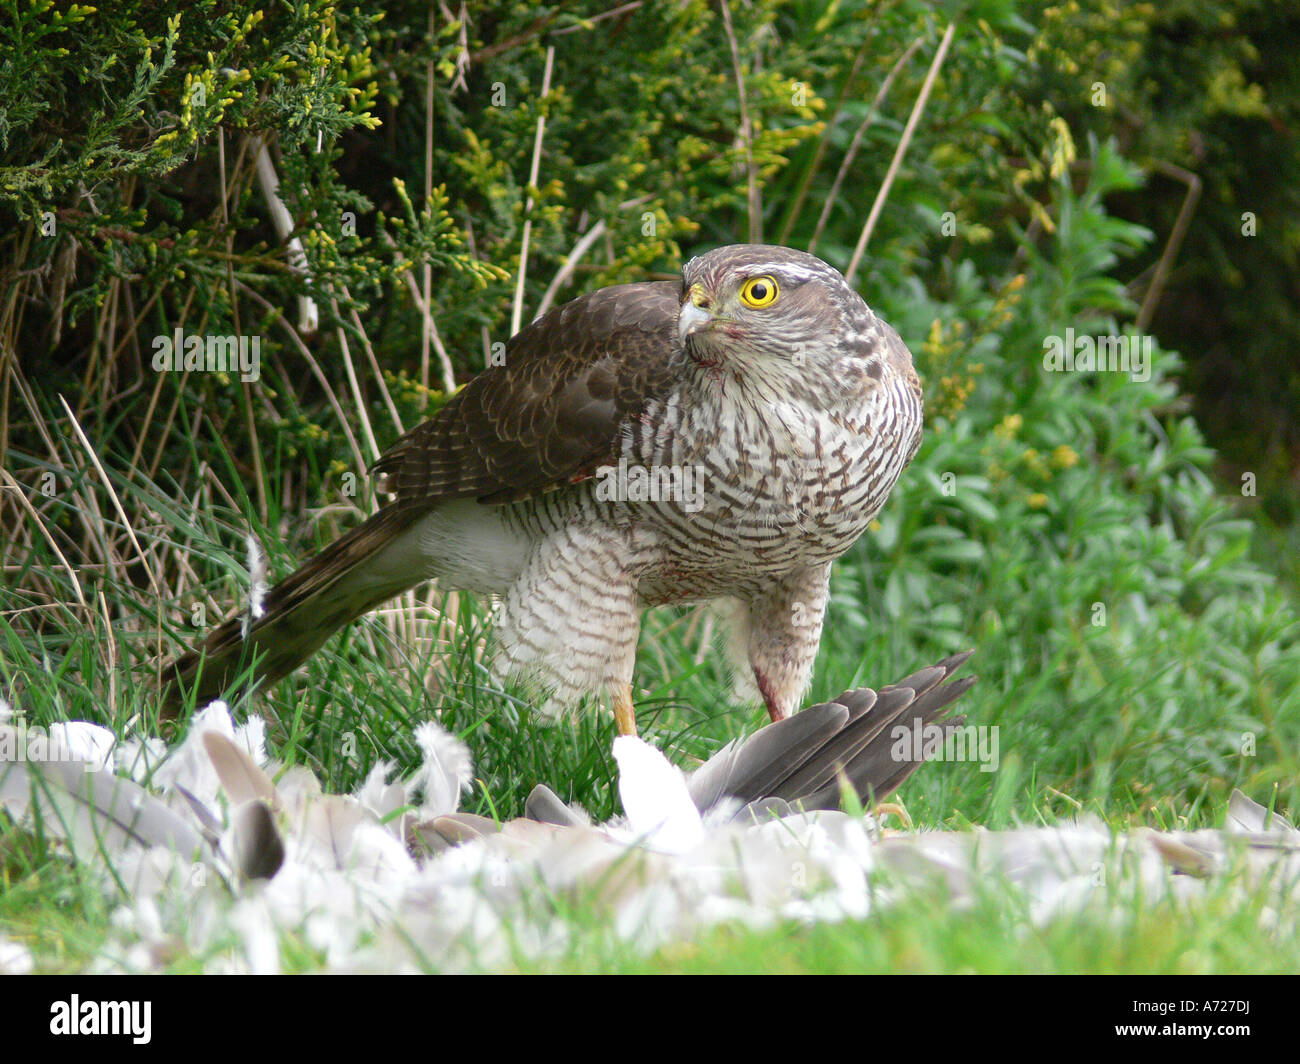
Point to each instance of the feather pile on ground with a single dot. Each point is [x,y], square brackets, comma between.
[217,854]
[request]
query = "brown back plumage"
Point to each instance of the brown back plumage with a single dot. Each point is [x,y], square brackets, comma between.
[550,416]
[554,412]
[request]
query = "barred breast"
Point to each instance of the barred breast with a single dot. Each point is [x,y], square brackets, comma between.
[757,490]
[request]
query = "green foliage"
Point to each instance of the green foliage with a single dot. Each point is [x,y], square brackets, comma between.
[1209,86]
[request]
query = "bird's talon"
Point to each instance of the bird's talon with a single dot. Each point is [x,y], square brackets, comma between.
[885,808]
[624,714]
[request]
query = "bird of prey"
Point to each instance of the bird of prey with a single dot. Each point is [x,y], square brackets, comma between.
[722,438]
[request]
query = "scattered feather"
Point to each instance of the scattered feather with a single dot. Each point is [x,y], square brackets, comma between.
[15,958]
[92,743]
[256,580]
[96,812]
[371,884]
[242,780]
[446,771]
[545,806]
[209,825]
[655,797]
[1248,817]
[378,795]
[258,848]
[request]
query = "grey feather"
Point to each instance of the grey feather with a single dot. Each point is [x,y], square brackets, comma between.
[209,826]
[754,768]
[241,778]
[545,806]
[804,761]
[259,850]
[443,832]
[875,770]
[95,811]
[1246,816]
[840,750]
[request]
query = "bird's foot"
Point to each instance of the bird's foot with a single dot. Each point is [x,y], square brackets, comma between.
[883,809]
[624,714]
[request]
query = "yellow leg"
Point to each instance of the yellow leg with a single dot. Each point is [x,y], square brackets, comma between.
[893,807]
[624,715]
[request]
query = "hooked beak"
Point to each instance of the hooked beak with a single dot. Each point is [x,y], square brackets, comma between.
[694,316]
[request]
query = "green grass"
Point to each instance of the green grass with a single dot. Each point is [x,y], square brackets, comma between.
[993,936]
[45,903]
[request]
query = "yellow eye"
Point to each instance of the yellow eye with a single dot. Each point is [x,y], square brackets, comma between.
[759,292]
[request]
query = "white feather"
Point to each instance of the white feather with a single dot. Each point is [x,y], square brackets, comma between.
[87,742]
[257,582]
[447,770]
[655,798]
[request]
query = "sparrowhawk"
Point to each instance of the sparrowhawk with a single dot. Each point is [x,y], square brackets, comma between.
[720,438]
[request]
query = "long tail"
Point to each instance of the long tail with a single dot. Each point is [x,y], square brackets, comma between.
[349,577]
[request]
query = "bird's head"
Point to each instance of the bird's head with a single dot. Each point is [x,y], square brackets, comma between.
[771,311]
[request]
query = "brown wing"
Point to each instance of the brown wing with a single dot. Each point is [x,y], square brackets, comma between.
[554,412]
[550,416]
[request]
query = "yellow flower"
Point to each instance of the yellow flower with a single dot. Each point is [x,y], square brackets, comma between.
[1009,426]
[1064,457]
